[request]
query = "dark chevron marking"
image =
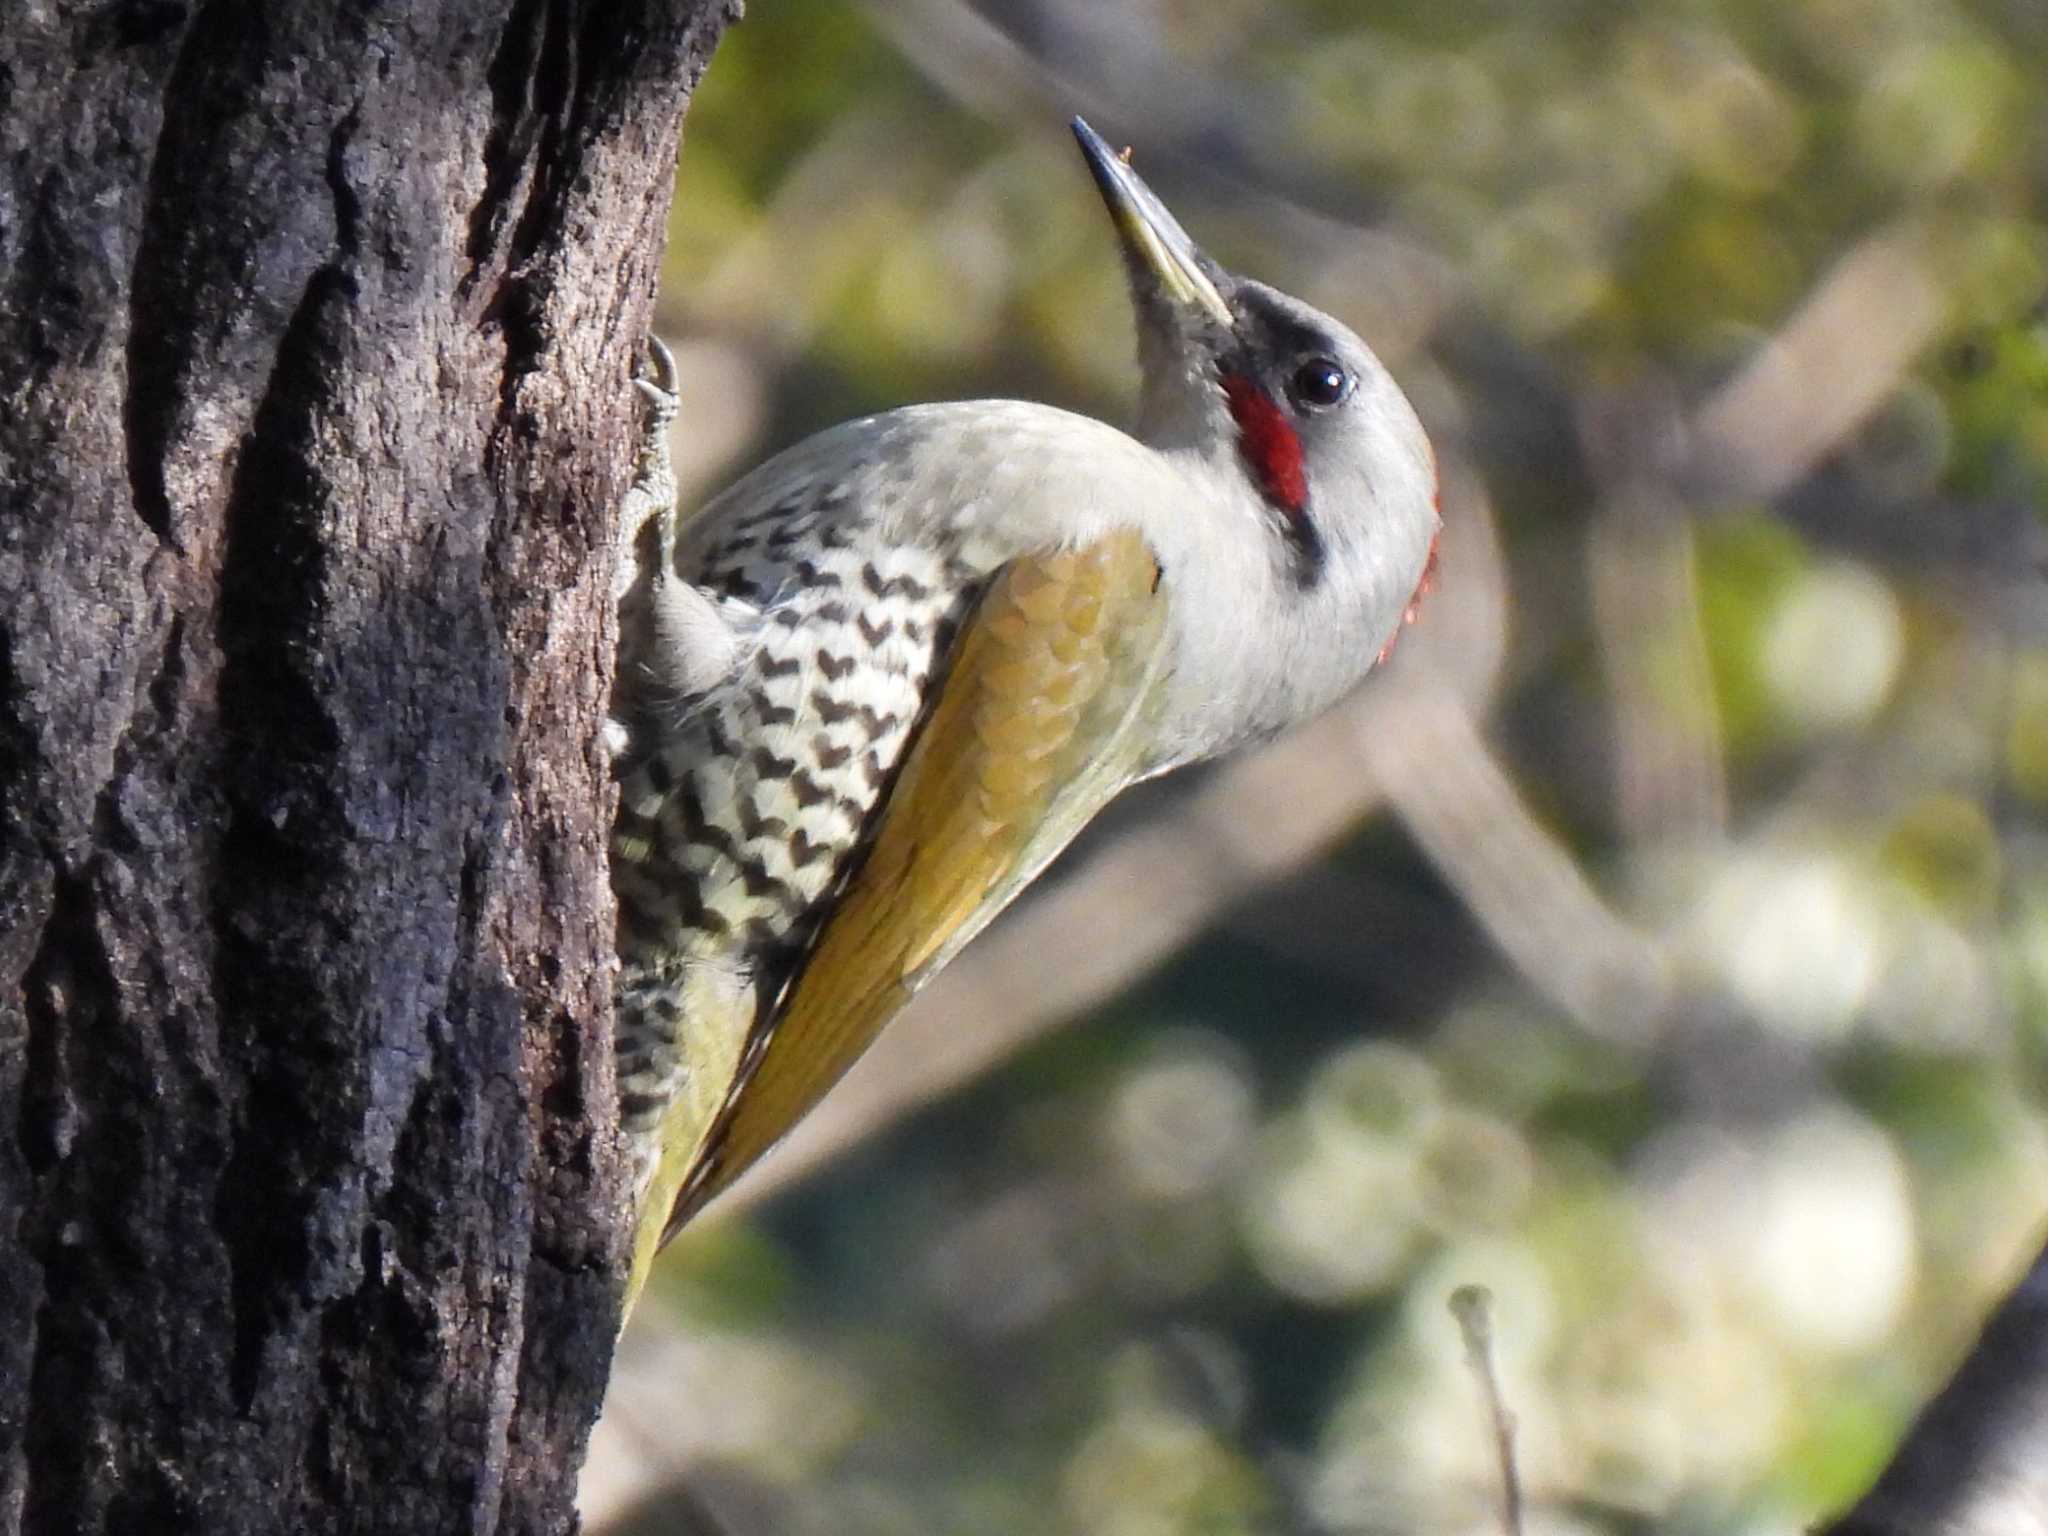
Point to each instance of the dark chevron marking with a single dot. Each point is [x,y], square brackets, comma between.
[811,575]
[788,761]
[754,875]
[638,1107]
[891,586]
[721,744]
[808,791]
[755,825]
[770,766]
[717,839]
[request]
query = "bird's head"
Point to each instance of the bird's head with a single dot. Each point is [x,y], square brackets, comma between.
[1271,392]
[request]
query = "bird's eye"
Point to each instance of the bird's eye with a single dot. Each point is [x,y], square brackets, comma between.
[1319,384]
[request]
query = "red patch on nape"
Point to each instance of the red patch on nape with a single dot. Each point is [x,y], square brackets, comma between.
[1423,588]
[1269,443]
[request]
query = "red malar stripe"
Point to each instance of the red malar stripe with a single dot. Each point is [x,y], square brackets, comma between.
[1269,443]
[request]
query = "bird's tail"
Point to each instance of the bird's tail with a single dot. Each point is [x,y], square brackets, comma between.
[681,1028]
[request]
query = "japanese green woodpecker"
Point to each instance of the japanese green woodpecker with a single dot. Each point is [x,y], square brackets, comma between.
[866,694]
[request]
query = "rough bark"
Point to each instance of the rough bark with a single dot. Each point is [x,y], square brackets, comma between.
[315,329]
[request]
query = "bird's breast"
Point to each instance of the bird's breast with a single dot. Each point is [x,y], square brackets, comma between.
[863,549]
[748,809]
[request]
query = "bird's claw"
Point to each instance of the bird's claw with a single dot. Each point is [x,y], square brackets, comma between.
[659,391]
[652,495]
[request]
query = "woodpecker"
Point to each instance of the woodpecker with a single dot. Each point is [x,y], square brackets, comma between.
[869,692]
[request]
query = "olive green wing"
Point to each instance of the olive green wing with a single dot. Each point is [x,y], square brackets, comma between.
[1036,726]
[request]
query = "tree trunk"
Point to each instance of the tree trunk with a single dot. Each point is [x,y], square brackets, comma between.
[316,323]
[1976,1461]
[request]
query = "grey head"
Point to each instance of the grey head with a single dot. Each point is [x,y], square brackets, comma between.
[1326,483]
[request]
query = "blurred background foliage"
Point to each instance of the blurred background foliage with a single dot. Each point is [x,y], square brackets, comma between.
[1726,317]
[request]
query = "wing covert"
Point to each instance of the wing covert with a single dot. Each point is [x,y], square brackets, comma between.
[1031,734]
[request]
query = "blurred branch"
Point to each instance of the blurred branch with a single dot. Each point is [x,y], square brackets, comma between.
[1523,886]
[1809,389]
[1976,1462]
[1645,609]
[1472,1306]
[1667,738]
[1838,357]
[1841,354]
[1188,122]
[805,224]
[662,1426]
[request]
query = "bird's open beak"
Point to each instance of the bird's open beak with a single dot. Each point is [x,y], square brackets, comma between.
[1158,246]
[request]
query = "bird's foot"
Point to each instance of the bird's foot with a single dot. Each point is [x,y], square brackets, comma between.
[660,390]
[647,519]
[652,496]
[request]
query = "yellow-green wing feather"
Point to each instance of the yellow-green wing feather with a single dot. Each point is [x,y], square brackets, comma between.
[1031,735]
